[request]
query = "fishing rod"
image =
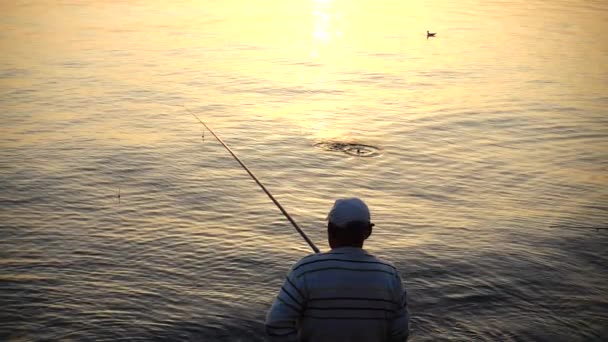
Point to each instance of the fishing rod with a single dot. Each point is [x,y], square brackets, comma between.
[295,225]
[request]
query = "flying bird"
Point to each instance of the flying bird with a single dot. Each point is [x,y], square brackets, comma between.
[430,34]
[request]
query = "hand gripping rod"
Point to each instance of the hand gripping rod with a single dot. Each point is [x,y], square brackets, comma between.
[295,225]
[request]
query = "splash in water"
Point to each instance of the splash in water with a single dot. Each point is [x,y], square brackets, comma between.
[353,149]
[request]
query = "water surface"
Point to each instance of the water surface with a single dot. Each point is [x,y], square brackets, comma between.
[492,146]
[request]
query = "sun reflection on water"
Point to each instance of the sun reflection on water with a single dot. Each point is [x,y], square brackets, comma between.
[323,21]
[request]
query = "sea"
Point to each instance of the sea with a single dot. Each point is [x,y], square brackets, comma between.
[482,153]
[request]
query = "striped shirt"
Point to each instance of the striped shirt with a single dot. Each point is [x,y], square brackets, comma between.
[345,294]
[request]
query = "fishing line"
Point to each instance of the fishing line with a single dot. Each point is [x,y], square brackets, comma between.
[295,225]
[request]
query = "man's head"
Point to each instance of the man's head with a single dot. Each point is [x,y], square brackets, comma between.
[348,223]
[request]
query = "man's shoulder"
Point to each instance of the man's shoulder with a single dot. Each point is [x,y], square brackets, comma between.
[322,259]
[304,261]
[309,258]
[384,261]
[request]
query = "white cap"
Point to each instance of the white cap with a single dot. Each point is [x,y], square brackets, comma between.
[347,210]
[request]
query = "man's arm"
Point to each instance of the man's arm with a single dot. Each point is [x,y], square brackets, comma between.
[399,325]
[282,318]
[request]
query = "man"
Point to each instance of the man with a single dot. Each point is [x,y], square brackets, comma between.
[345,294]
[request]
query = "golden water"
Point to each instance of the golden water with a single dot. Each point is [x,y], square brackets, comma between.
[492,148]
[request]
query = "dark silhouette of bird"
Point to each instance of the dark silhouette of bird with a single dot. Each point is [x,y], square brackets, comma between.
[430,34]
